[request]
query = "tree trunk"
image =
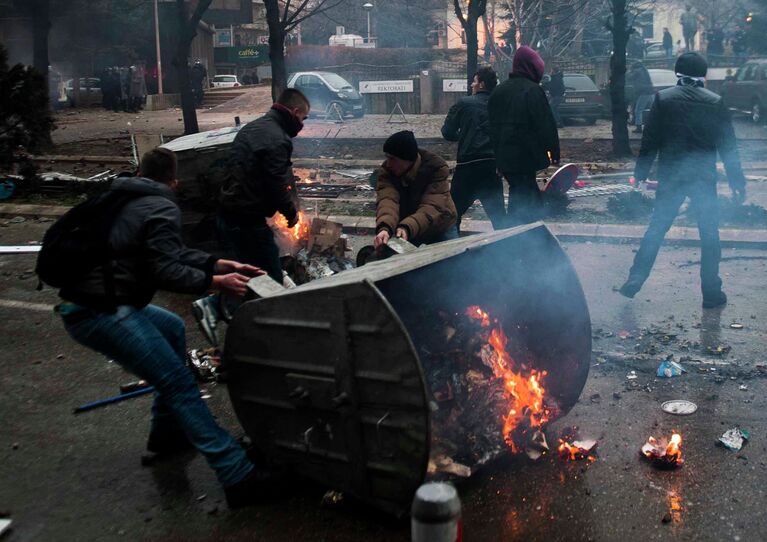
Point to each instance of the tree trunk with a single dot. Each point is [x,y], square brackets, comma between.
[620,33]
[181,63]
[471,51]
[276,48]
[41,27]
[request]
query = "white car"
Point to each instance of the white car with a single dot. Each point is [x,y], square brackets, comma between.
[225,81]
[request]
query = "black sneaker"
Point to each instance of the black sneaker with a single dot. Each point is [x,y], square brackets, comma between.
[168,443]
[255,488]
[630,288]
[712,301]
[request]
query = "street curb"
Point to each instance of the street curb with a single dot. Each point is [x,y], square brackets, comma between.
[575,232]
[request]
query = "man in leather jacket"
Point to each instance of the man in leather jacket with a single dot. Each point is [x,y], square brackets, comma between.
[687,126]
[475,176]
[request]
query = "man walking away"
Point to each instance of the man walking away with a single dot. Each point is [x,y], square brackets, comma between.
[556,90]
[524,134]
[686,128]
[640,80]
[413,199]
[475,175]
[109,311]
[668,43]
[689,24]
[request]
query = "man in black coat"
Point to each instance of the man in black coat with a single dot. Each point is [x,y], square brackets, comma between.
[475,175]
[668,43]
[524,134]
[259,183]
[687,126]
[639,79]
[556,89]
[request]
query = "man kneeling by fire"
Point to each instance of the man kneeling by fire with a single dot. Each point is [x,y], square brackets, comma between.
[413,199]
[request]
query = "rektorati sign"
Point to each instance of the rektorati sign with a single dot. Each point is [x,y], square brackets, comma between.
[386,87]
[454,85]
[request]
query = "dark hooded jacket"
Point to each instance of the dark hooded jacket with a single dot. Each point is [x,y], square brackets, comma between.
[149,252]
[522,127]
[467,123]
[259,179]
[686,127]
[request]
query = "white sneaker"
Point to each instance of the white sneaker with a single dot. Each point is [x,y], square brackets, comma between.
[205,311]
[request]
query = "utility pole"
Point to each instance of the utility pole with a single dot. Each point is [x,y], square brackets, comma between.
[157,47]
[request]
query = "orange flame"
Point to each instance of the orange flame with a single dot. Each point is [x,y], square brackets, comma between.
[299,231]
[672,450]
[524,392]
[664,455]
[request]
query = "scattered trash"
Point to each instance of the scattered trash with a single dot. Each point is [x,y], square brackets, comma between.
[15,446]
[680,407]
[719,350]
[133,386]
[664,455]
[632,375]
[60,356]
[444,463]
[736,325]
[202,497]
[332,498]
[743,387]
[596,398]
[537,447]
[577,449]
[204,363]
[625,335]
[734,439]
[17,220]
[670,368]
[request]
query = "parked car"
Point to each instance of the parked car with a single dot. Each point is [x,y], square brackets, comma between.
[225,81]
[582,99]
[90,91]
[746,92]
[328,92]
[660,79]
[655,50]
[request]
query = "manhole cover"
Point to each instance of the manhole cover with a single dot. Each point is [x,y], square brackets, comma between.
[679,407]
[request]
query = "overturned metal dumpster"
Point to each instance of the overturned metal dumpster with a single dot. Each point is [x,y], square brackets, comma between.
[365,381]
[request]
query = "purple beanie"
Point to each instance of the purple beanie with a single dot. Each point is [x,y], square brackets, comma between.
[528,63]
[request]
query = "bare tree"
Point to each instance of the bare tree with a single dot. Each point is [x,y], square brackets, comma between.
[187,30]
[524,16]
[474,10]
[282,16]
[621,31]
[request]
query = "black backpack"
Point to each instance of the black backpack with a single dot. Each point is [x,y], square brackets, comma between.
[78,242]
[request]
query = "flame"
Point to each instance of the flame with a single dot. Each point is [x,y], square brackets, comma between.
[662,454]
[672,450]
[524,392]
[568,451]
[299,231]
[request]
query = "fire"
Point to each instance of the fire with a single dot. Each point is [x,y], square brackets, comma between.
[524,392]
[664,455]
[297,232]
[578,449]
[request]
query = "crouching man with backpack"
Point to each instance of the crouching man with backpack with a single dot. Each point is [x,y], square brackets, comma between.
[108,308]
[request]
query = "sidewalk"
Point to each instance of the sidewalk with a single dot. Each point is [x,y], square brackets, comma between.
[564,231]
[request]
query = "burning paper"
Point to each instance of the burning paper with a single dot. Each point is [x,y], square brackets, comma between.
[663,454]
[577,449]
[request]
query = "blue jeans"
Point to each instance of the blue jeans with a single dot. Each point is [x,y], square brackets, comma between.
[644,101]
[151,344]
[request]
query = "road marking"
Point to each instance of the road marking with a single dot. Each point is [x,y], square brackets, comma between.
[11,304]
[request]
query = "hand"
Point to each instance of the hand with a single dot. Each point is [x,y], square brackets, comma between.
[230,266]
[402,234]
[232,283]
[739,195]
[381,239]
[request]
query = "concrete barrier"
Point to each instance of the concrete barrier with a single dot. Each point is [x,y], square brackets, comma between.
[157,102]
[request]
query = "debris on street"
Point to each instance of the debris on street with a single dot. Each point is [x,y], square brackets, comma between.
[734,439]
[670,368]
[680,407]
[664,454]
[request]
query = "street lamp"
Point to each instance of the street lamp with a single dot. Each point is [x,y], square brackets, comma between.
[367,6]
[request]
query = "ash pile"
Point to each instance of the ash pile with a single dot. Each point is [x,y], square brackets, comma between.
[486,403]
[310,250]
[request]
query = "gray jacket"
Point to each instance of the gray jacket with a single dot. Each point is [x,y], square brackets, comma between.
[149,252]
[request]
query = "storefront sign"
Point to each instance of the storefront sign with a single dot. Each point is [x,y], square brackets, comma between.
[386,87]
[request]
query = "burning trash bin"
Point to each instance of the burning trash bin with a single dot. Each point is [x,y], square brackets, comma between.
[427,364]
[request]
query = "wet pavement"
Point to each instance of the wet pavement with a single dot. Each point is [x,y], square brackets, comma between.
[78,477]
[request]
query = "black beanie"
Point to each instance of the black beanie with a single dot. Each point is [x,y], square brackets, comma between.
[402,145]
[692,65]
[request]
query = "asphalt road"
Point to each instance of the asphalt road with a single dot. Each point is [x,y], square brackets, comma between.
[67,477]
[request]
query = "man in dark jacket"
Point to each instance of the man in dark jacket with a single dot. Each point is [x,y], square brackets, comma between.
[556,89]
[475,176]
[668,43]
[259,184]
[687,126]
[639,79]
[524,134]
[150,341]
[413,194]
